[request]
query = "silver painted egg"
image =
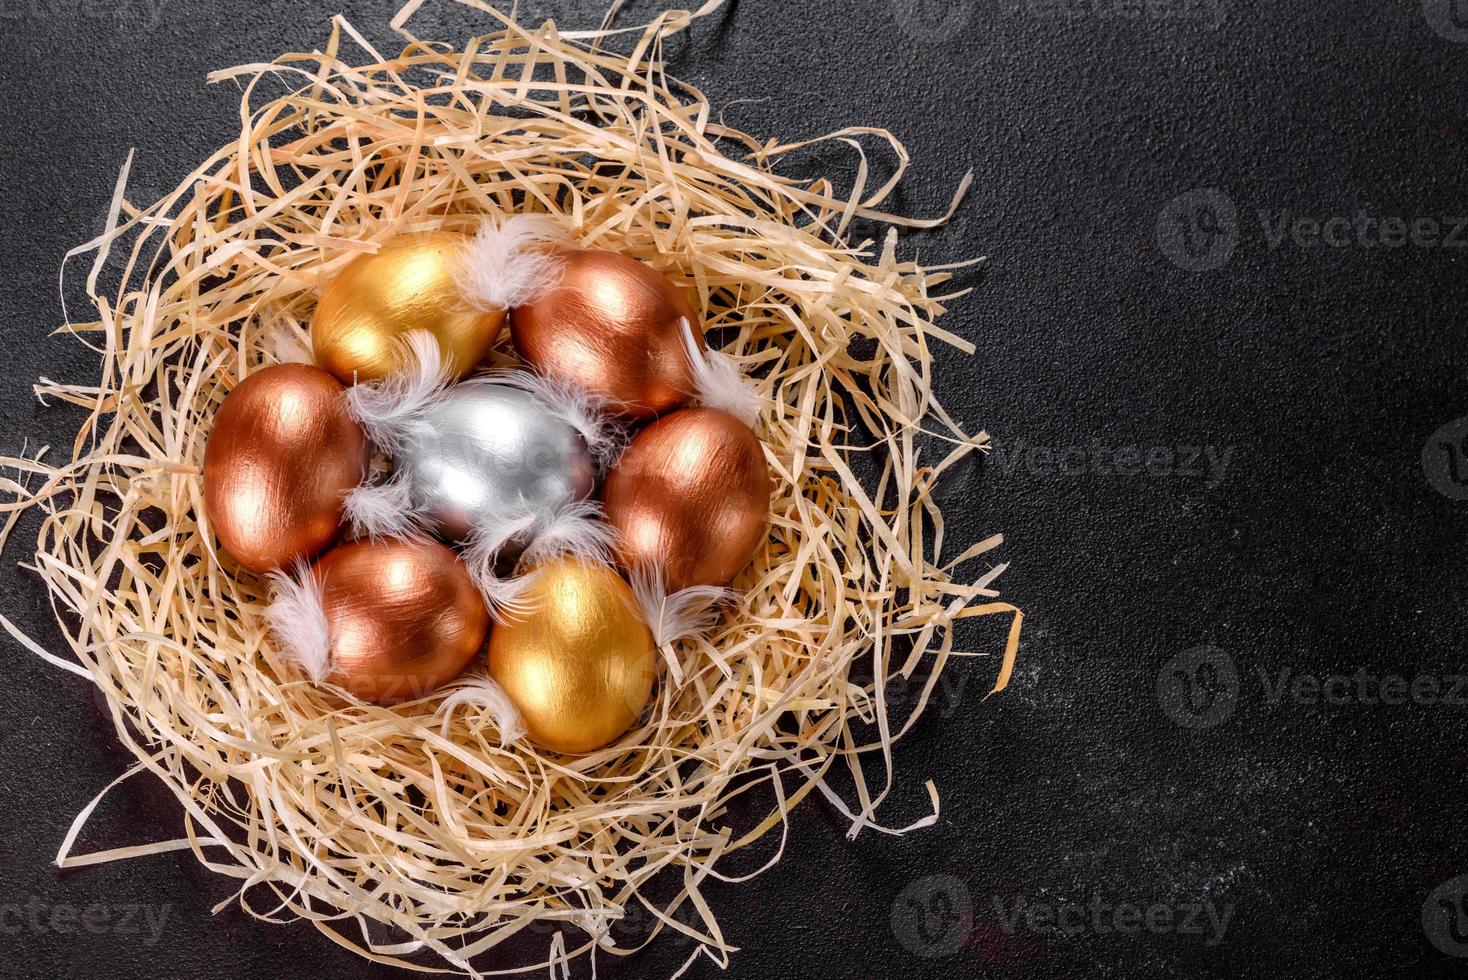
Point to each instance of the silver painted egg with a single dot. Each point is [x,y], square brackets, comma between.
[486,450]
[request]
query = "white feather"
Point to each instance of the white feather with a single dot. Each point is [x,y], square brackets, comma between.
[576,529]
[504,595]
[297,617]
[393,407]
[482,552]
[718,383]
[480,691]
[510,261]
[583,411]
[286,340]
[383,510]
[539,534]
[687,614]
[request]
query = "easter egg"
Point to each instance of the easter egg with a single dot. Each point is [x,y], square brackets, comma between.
[613,326]
[690,497]
[579,662]
[389,620]
[282,453]
[410,283]
[485,451]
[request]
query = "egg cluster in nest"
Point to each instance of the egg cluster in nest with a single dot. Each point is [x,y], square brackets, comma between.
[413,836]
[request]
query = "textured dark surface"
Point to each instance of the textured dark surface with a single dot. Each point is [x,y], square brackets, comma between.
[1322,548]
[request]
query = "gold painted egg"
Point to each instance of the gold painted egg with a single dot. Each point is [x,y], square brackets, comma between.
[580,664]
[410,283]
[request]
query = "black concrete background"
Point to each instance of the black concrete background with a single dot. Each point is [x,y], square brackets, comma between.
[1220,468]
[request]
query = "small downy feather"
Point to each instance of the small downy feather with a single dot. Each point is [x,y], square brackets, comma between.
[511,260]
[390,409]
[574,529]
[297,618]
[580,409]
[482,551]
[718,383]
[686,614]
[383,510]
[286,340]
[480,691]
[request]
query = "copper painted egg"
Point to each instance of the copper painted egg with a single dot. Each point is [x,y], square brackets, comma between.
[403,617]
[410,283]
[579,663]
[613,326]
[281,455]
[690,496]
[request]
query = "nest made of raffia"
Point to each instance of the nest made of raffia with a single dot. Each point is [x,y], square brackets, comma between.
[433,834]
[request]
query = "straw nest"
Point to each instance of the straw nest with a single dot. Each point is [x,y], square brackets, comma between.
[427,844]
